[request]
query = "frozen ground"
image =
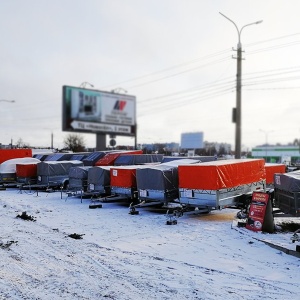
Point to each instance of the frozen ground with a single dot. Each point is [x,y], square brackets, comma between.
[122,256]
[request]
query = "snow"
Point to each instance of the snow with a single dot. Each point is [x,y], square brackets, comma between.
[123,256]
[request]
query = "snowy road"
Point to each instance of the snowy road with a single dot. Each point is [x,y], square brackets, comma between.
[121,256]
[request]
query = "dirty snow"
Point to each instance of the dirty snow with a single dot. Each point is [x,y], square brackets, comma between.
[123,256]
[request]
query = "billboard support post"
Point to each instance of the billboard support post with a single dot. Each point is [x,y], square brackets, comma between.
[100,141]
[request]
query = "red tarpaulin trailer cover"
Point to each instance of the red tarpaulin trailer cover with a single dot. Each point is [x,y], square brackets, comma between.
[6,154]
[271,169]
[123,176]
[221,174]
[26,170]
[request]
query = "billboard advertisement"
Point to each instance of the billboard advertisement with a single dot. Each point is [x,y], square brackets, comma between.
[93,111]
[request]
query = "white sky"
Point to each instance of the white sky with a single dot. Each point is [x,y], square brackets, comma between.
[175,56]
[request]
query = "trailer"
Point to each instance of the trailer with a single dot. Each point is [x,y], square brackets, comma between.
[9,167]
[287,193]
[271,170]
[26,173]
[219,184]
[123,181]
[159,183]
[98,181]
[53,174]
[78,179]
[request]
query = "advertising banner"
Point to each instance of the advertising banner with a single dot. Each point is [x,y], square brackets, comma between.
[257,211]
[86,110]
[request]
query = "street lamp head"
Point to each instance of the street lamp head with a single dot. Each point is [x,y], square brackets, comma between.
[85,83]
[4,100]
[119,90]
[258,22]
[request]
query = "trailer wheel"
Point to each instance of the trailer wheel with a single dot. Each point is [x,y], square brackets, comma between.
[171,222]
[133,211]
[66,185]
[93,206]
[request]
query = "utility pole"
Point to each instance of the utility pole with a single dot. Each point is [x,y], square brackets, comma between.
[238,109]
[238,116]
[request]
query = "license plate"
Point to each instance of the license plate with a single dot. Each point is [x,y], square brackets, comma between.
[143,193]
[188,193]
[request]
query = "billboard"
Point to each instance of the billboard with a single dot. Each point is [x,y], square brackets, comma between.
[192,140]
[93,111]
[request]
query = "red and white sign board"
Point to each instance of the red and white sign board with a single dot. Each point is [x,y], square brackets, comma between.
[257,211]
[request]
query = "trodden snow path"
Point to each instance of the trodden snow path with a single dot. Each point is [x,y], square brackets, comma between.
[121,256]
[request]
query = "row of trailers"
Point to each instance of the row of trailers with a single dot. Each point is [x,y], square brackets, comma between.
[198,183]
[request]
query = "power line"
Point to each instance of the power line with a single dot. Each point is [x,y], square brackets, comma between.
[175,104]
[200,59]
[169,68]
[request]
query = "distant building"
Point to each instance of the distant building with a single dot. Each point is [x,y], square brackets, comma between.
[277,154]
[191,140]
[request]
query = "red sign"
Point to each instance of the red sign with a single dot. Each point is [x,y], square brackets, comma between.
[257,211]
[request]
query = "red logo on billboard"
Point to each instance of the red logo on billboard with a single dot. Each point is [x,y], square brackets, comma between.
[120,105]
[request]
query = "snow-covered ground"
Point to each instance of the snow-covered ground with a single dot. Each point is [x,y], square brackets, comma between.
[123,256]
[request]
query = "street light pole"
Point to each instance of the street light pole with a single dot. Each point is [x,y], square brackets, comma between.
[10,101]
[266,133]
[238,109]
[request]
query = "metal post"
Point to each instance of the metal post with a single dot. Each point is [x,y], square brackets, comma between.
[238,125]
[238,113]
[266,134]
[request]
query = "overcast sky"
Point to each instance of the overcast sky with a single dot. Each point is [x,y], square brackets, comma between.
[175,56]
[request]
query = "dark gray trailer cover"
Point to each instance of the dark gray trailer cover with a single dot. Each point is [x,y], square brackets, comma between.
[55,173]
[93,157]
[78,177]
[41,157]
[99,175]
[289,182]
[99,179]
[287,192]
[79,172]
[138,159]
[58,157]
[49,168]
[161,177]
[78,157]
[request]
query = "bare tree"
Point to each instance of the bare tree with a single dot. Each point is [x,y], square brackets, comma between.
[21,144]
[74,142]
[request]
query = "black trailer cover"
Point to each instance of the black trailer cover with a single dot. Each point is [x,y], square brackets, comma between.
[161,177]
[289,182]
